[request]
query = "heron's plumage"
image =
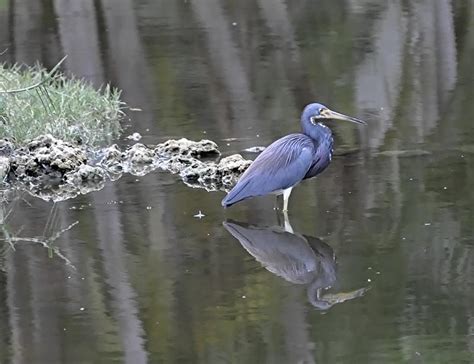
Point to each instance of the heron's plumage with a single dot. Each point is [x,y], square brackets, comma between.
[281,165]
[290,159]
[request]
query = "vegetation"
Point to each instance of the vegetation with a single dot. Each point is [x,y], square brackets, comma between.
[34,101]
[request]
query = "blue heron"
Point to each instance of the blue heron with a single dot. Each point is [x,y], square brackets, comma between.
[291,159]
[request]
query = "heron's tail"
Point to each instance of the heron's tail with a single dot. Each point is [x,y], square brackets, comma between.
[236,194]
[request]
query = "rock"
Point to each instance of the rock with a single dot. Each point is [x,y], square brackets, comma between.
[139,160]
[140,154]
[112,158]
[199,171]
[47,156]
[52,169]
[176,163]
[4,168]
[85,173]
[184,147]
[231,168]
[215,176]
[6,147]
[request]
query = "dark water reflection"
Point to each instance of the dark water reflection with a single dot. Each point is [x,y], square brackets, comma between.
[297,258]
[152,283]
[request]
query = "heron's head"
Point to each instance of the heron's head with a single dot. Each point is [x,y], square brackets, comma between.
[316,113]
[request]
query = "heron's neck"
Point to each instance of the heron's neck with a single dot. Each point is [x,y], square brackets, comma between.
[320,133]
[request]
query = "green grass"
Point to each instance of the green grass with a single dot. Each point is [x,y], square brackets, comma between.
[34,101]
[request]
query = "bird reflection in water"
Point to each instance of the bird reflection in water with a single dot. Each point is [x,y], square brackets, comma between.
[297,258]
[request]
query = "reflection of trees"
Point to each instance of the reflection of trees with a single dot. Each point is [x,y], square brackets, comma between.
[405,66]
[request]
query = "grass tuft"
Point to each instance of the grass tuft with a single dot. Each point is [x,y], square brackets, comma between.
[34,101]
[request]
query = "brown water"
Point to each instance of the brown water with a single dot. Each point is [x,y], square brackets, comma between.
[140,279]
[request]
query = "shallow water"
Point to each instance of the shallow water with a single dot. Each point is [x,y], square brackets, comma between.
[139,278]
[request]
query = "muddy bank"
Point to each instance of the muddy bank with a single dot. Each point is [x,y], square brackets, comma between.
[53,169]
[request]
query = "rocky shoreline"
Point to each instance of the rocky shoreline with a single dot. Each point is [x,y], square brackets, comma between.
[53,169]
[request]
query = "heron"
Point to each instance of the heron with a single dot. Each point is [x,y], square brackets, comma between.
[290,159]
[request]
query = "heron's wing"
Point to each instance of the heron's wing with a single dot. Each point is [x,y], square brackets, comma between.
[282,165]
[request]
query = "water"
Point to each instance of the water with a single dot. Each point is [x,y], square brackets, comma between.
[140,279]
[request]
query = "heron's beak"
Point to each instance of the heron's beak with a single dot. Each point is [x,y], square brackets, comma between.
[329,114]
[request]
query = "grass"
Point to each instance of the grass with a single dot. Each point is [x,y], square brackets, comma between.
[34,101]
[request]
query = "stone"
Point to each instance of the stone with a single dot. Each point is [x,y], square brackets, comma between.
[52,169]
[112,158]
[231,168]
[140,154]
[46,156]
[185,147]
[4,168]
[6,147]
[85,173]
[215,176]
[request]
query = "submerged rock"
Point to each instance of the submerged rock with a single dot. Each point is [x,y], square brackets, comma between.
[185,147]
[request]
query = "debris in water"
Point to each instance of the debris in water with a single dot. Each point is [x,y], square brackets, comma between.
[256,149]
[199,215]
[135,136]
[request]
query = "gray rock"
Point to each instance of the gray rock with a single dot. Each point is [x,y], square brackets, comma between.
[112,158]
[52,169]
[140,154]
[6,147]
[231,169]
[85,173]
[46,156]
[4,168]
[139,160]
[215,176]
[184,147]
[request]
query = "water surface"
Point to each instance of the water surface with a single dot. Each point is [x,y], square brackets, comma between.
[140,279]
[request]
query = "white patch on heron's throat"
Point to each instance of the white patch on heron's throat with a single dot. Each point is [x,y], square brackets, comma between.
[323,125]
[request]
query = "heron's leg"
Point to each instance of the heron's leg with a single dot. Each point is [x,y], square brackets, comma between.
[287,226]
[286,197]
